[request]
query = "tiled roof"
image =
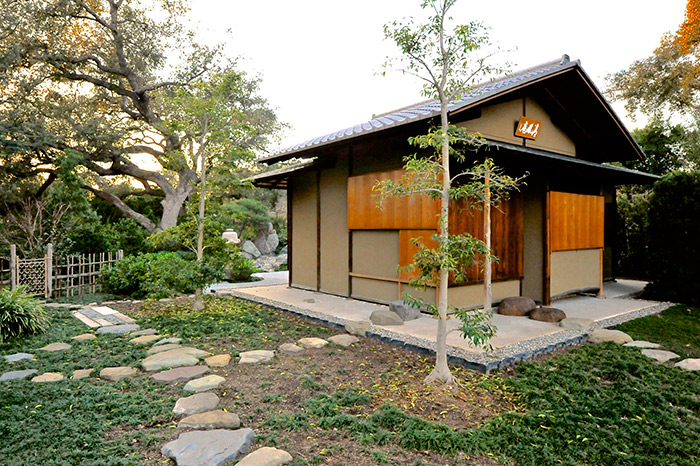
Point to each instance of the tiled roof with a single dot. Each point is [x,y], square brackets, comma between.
[428,109]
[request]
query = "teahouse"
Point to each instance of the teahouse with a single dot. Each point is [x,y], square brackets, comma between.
[552,238]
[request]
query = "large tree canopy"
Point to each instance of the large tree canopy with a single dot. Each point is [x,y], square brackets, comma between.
[105,81]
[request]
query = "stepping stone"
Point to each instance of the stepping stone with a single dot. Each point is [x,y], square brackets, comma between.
[642,344]
[168,340]
[48,377]
[659,355]
[104,310]
[266,456]
[199,403]
[81,374]
[118,329]
[174,358]
[17,375]
[203,384]
[358,327]
[218,419]
[689,364]
[291,348]
[18,357]
[84,319]
[56,347]
[180,374]
[85,337]
[147,331]
[159,349]
[601,335]
[382,317]
[116,373]
[209,447]
[575,323]
[344,339]
[121,317]
[145,339]
[220,360]
[256,356]
[312,343]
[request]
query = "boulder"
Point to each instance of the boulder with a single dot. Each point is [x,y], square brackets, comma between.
[290,348]
[601,335]
[574,323]
[256,356]
[642,344]
[312,343]
[118,329]
[180,374]
[203,384]
[48,377]
[659,355]
[266,456]
[209,447]
[283,250]
[382,317]
[218,419]
[250,248]
[220,360]
[358,327]
[272,241]
[547,314]
[404,311]
[689,364]
[344,339]
[261,243]
[116,373]
[516,306]
[198,403]
[266,263]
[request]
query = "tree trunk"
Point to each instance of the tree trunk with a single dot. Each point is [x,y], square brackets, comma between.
[198,304]
[487,240]
[172,204]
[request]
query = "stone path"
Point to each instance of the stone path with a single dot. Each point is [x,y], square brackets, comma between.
[647,348]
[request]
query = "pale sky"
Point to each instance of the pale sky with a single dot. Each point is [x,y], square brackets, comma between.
[319,59]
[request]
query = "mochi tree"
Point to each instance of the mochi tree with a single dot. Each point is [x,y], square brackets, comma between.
[448,62]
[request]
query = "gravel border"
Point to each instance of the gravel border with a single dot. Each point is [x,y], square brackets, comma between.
[486,362]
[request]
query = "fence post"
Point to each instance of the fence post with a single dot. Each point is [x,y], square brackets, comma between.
[49,271]
[120,254]
[13,266]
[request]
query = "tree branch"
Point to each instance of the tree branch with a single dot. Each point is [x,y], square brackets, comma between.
[125,209]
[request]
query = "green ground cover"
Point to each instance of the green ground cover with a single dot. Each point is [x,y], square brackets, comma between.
[677,329]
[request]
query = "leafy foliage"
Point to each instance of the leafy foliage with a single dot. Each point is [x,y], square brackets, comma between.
[632,239]
[21,314]
[248,216]
[157,275]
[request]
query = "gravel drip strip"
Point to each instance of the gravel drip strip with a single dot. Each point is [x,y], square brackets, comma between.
[499,358]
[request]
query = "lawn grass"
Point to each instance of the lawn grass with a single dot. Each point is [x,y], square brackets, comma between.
[677,329]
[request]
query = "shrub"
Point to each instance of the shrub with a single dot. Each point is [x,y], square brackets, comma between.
[633,240]
[157,275]
[21,314]
[674,230]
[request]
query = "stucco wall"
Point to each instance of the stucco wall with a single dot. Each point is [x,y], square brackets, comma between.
[375,252]
[374,290]
[334,229]
[473,295]
[533,245]
[574,270]
[550,138]
[304,239]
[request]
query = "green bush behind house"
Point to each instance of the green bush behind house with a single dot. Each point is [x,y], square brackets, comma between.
[21,314]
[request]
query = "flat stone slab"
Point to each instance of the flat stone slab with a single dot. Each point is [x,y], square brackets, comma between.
[198,403]
[18,357]
[180,374]
[48,377]
[344,339]
[159,349]
[118,329]
[146,331]
[576,323]
[256,356]
[208,382]
[86,320]
[382,317]
[103,310]
[174,358]
[56,347]
[17,375]
[642,344]
[209,447]
[266,456]
[290,348]
[218,419]
[312,343]
[659,355]
[358,327]
[116,373]
[85,337]
[166,341]
[219,360]
[145,339]
[601,335]
[81,374]
[689,364]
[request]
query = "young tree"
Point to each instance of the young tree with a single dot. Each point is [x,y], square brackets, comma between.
[90,76]
[448,63]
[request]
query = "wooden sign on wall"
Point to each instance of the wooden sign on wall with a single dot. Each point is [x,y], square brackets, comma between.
[528,128]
